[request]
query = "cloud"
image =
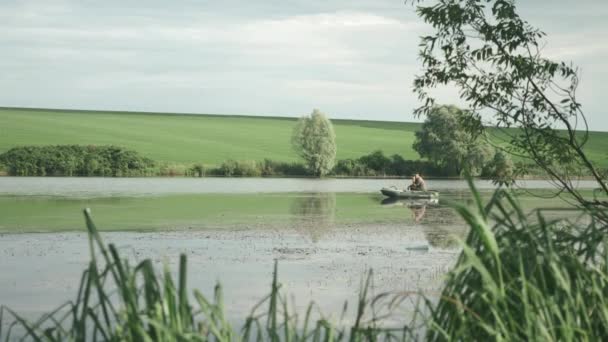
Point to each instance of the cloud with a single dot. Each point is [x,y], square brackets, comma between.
[582,44]
[337,52]
[318,38]
[351,58]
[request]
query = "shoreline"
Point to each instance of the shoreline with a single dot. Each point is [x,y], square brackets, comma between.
[531,177]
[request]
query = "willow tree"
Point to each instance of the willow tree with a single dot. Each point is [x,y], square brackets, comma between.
[315,141]
[517,278]
[494,58]
[444,140]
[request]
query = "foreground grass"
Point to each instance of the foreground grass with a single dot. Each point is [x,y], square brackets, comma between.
[522,278]
[516,280]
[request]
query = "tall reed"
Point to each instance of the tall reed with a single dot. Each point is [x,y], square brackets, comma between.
[522,277]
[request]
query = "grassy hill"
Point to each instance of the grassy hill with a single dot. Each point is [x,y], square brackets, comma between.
[210,139]
[194,138]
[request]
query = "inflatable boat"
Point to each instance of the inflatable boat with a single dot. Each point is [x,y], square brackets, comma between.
[393,192]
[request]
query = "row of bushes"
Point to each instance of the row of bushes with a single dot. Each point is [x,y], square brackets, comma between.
[249,168]
[75,160]
[377,164]
[372,165]
[256,169]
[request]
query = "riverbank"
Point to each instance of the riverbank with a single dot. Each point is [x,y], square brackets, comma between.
[590,179]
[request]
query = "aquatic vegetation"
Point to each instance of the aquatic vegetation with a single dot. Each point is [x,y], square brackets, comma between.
[120,302]
[519,277]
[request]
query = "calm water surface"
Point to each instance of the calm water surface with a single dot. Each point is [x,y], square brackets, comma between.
[90,186]
[325,234]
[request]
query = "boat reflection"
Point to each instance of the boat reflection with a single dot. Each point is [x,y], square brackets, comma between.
[440,224]
[392,201]
[417,206]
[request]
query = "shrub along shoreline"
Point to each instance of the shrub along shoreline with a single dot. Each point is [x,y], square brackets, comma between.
[115,161]
[75,160]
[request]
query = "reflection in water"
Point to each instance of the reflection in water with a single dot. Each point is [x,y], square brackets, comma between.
[391,201]
[441,224]
[418,213]
[443,227]
[314,214]
[417,206]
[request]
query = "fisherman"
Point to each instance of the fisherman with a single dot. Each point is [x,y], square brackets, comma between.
[418,183]
[413,185]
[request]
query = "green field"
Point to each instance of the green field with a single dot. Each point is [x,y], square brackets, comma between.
[194,138]
[210,139]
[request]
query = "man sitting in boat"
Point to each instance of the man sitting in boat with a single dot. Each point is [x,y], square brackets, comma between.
[418,184]
[412,186]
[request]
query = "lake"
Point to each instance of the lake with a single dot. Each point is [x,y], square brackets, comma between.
[324,233]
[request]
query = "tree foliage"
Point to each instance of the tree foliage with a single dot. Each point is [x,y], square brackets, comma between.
[501,169]
[378,164]
[444,140]
[494,59]
[74,160]
[315,141]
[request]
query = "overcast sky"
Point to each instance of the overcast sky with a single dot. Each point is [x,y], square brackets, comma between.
[349,58]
